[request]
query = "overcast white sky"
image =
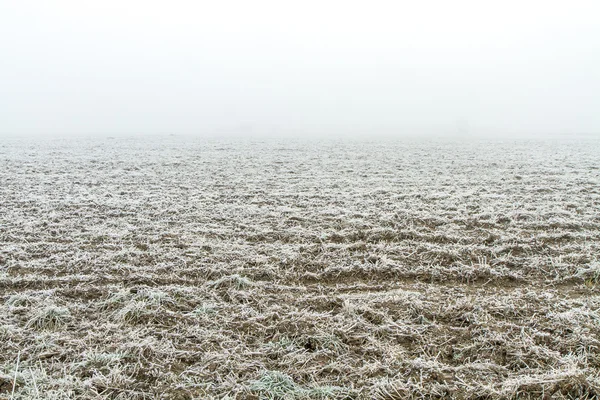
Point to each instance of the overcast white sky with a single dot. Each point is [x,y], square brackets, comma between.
[282,67]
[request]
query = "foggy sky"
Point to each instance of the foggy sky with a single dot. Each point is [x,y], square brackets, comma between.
[301,67]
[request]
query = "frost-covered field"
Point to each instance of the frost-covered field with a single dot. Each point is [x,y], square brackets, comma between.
[182,268]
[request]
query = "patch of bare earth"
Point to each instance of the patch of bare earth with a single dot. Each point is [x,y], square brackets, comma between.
[178,268]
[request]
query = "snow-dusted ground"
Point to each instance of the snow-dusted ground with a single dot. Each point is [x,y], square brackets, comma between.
[180,268]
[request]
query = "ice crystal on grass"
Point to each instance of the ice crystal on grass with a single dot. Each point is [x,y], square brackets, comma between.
[49,317]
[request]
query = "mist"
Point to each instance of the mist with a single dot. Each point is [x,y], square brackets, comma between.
[303,68]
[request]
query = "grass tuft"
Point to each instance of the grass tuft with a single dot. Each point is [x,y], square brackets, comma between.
[275,385]
[49,317]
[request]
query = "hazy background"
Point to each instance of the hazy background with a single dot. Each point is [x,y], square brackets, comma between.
[303,67]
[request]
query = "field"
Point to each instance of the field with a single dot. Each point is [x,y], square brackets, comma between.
[186,268]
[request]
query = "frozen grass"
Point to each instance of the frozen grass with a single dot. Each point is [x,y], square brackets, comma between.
[189,269]
[233,281]
[274,385]
[49,317]
[589,274]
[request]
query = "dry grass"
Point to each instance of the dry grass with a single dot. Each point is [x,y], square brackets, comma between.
[192,269]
